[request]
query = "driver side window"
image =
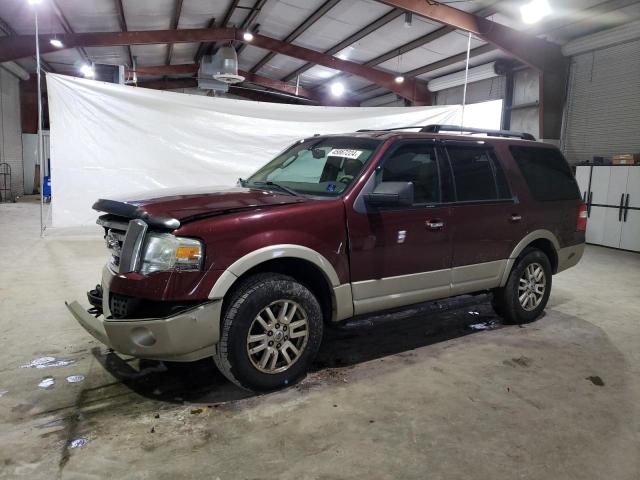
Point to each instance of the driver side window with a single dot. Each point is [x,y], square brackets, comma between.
[416,163]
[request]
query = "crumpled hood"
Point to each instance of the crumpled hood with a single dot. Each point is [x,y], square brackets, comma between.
[188,204]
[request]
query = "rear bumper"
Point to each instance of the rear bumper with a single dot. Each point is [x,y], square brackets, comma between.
[187,336]
[569,256]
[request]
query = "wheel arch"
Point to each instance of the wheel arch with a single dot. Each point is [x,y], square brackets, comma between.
[544,240]
[302,263]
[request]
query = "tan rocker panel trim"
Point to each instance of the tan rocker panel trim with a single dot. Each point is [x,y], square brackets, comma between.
[391,292]
[531,237]
[342,302]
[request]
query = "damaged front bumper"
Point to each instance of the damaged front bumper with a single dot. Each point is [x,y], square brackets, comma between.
[187,336]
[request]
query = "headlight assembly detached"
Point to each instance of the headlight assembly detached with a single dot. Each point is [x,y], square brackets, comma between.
[163,252]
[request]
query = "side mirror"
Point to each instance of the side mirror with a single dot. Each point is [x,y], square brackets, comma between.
[391,194]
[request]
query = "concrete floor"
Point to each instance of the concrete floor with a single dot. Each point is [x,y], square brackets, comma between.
[427,397]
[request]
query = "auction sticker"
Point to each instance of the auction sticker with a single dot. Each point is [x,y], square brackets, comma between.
[345,153]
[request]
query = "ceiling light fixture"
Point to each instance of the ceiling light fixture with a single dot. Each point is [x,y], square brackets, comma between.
[35,2]
[56,43]
[534,11]
[337,89]
[399,79]
[248,36]
[87,71]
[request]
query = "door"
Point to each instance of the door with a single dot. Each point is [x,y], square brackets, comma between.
[596,225]
[583,175]
[630,235]
[616,191]
[487,221]
[402,255]
[599,186]
[596,204]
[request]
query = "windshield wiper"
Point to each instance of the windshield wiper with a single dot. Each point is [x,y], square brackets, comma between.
[280,187]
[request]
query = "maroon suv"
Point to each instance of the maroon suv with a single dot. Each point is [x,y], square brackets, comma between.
[336,226]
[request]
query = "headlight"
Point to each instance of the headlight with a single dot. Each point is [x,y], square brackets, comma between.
[163,252]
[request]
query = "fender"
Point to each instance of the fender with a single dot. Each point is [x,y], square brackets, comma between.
[342,300]
[522,244]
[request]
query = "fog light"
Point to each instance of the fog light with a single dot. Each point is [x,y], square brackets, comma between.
[143,336]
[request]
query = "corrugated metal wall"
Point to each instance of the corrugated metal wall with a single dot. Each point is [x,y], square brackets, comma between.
[10,129]
[603,106]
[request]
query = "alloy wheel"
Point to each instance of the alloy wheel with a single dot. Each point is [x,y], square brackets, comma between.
[532,286]
[277,336]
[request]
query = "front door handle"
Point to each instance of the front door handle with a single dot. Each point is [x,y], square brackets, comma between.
[515,217]
[435,224]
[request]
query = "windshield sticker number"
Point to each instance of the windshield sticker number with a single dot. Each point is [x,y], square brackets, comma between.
[345,153]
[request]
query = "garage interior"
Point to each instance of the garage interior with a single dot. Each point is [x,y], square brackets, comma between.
[440,390]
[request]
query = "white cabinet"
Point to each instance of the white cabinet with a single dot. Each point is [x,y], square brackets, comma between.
[612,194]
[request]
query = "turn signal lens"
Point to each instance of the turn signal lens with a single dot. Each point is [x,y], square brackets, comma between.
[188,253]
[581,222]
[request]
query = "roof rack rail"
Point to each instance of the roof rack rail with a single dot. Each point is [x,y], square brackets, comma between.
[493,133]
[436,128]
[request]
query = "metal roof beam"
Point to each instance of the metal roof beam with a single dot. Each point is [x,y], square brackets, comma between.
[413,44]
[535,52]
[299,30]
[175,20]
[7,30]
[350,40]
[192,68]
[123,26]
[21,46]
[206,48]
[67,28]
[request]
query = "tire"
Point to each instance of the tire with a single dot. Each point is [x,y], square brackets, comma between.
[242,359]
[524,279]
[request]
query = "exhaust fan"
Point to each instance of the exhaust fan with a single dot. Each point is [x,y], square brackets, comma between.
[223,66]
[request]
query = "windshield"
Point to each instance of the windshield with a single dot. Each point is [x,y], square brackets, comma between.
[316,166]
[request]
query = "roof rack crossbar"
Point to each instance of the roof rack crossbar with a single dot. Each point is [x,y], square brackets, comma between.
[436,128]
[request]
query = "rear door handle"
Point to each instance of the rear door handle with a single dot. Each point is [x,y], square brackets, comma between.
[516,218]
[435,224]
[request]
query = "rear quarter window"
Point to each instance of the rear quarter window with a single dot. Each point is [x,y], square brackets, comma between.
[546,172]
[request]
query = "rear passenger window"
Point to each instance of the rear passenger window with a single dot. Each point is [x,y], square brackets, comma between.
[477,174]
[416,163]
[546,172]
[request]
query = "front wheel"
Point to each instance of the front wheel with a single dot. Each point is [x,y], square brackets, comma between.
[271,331]
[525,295]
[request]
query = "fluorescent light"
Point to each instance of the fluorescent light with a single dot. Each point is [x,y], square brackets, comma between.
[87,71]
[534,11]
[337,89]
[399,79]
[56,43]
[35,2]
[248,36]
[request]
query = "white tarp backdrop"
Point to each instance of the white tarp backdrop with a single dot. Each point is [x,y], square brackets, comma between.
[112,140]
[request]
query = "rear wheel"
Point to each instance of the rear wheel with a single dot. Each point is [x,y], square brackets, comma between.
[525,295]
[270,333]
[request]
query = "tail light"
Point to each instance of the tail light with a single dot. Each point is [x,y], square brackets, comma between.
[581,221]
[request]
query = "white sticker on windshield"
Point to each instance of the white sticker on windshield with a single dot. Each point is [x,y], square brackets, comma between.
[345,152]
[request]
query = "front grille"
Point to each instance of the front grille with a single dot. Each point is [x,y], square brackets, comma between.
[124,239]
[115,241]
